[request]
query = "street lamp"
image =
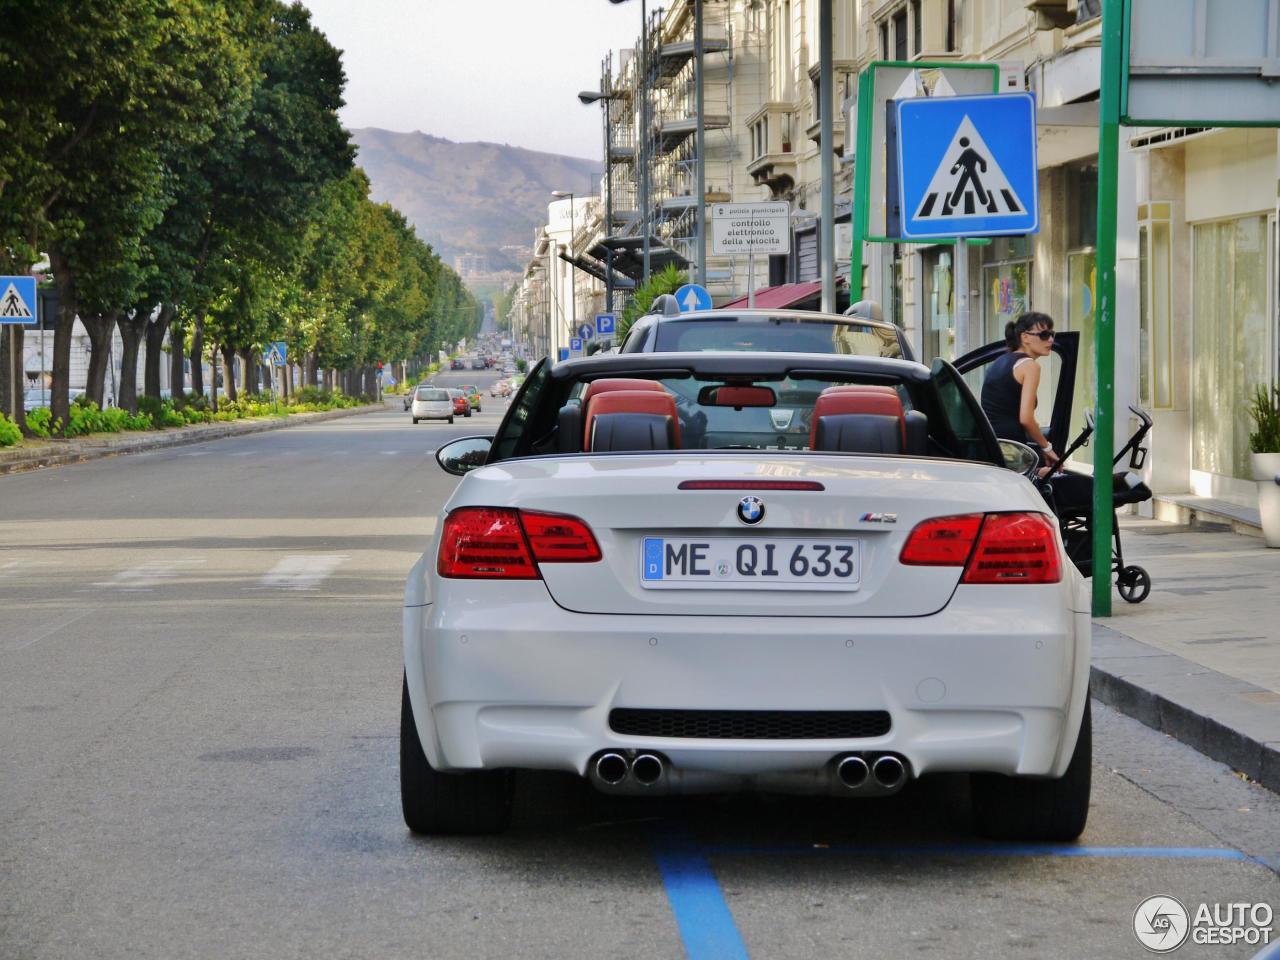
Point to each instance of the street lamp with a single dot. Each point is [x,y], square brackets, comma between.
[588,97]
[643,159]
[573,278]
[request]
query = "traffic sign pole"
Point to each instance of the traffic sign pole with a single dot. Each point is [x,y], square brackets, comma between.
[1105,322]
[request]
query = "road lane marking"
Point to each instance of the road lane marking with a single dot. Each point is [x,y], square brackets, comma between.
[149,574]
[987,850]
[49,631]
[388,453]
[302,571]
[706,925]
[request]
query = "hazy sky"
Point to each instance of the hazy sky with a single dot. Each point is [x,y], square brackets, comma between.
[506,71]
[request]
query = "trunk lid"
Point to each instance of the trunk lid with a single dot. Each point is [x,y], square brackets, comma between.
[628,499]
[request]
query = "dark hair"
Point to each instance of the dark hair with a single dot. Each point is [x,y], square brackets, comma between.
[1014,329]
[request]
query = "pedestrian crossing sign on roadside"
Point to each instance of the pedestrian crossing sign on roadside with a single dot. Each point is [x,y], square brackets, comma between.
[18,301]
[967,166]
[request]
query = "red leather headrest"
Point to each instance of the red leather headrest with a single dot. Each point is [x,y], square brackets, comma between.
[854,398]
[631,401]
[597,387]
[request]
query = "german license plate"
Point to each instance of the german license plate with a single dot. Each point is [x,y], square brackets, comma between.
[729,563]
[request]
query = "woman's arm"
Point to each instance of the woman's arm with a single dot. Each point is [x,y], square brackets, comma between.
[1029,375]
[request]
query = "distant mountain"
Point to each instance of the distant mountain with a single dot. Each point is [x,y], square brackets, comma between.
[469,197]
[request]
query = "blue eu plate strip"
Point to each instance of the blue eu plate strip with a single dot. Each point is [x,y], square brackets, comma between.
[653,558]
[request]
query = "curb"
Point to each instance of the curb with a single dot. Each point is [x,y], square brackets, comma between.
[1228,720]
[180,437]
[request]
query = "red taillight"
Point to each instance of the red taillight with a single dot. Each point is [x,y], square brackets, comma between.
[942,541]
[1015,548]
[995,548]
[485,542]
[502,543]
[559,539]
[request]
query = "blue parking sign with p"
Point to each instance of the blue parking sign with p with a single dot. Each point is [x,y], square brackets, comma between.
[18,301]
[606,323]
[575,344]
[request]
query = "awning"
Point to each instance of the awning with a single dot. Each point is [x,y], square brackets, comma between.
[628,255]
[783,295]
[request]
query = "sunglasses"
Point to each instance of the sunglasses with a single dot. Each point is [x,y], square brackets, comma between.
[1042,334]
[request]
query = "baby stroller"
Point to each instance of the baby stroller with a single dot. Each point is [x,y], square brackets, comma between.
[1071,497]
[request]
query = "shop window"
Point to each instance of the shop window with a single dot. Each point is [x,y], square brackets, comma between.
[1155,313]
[939,302]
[1082,302]
[1231,340]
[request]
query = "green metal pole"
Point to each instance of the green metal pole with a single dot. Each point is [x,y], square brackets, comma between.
[861,185]
[1105,319]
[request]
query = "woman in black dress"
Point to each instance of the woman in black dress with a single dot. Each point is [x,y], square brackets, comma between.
[1009,391]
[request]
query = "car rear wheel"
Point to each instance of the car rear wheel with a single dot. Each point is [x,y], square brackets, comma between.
[451,419]
[1024,808]
[415,421]
[442,803]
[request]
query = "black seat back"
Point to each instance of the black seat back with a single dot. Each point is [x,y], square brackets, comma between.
[917,434]
[632,431]
[569,428]
[858,433]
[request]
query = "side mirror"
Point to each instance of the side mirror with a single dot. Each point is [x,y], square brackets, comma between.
[461,456]
[1019,457]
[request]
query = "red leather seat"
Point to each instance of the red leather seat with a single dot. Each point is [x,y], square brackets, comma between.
[856,399]
[657,402]
[597,387]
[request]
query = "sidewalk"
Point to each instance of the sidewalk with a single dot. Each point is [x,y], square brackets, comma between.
[52,453]
[1199,659]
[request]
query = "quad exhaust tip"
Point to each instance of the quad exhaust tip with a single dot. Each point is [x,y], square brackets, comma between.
[888,771]
[853,772]
[612,768]
[647,769]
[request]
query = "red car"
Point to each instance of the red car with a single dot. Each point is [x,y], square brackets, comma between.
[461,403]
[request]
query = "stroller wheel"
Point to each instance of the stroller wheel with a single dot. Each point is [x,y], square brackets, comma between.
[1134,583]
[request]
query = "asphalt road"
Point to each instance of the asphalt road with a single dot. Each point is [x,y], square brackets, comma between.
[199,696]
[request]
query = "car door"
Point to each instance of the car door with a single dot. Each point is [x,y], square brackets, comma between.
[1066,347]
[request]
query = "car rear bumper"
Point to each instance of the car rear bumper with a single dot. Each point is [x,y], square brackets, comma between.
[519,682]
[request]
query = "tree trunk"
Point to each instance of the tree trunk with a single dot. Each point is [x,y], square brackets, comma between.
[251,371]
[312,368]
[64,326]
[155,351]
[100,327]
[229,372]
[177,375]
[12,376]
[213,377]
[288,381]
[131,331]
[197,356]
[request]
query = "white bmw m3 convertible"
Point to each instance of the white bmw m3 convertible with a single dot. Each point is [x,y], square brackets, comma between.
[698,572]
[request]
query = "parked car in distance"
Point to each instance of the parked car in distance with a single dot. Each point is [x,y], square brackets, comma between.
[461,404]
[500,388]
[431,403]
[473,394]
[458,364]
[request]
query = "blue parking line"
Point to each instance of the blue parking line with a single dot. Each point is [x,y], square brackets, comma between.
[990,850]
[706,926]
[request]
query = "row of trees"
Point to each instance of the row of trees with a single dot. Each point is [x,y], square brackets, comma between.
[181,164]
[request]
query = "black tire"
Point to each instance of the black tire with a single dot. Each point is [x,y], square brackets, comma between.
[415,421]
[451,419]
[1134,583]
[474,802]
[1027,808]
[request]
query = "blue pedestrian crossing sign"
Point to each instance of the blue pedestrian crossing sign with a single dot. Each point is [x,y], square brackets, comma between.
[967,166]
[693,297]
[276,354]
[18,301]
[606,324]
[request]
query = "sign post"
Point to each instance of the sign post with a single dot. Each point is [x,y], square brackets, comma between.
[750,228]
[17,309]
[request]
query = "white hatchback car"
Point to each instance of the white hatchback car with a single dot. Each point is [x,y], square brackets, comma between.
[431,403]
[703,572]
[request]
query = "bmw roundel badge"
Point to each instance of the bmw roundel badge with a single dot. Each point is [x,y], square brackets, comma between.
[751,510]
